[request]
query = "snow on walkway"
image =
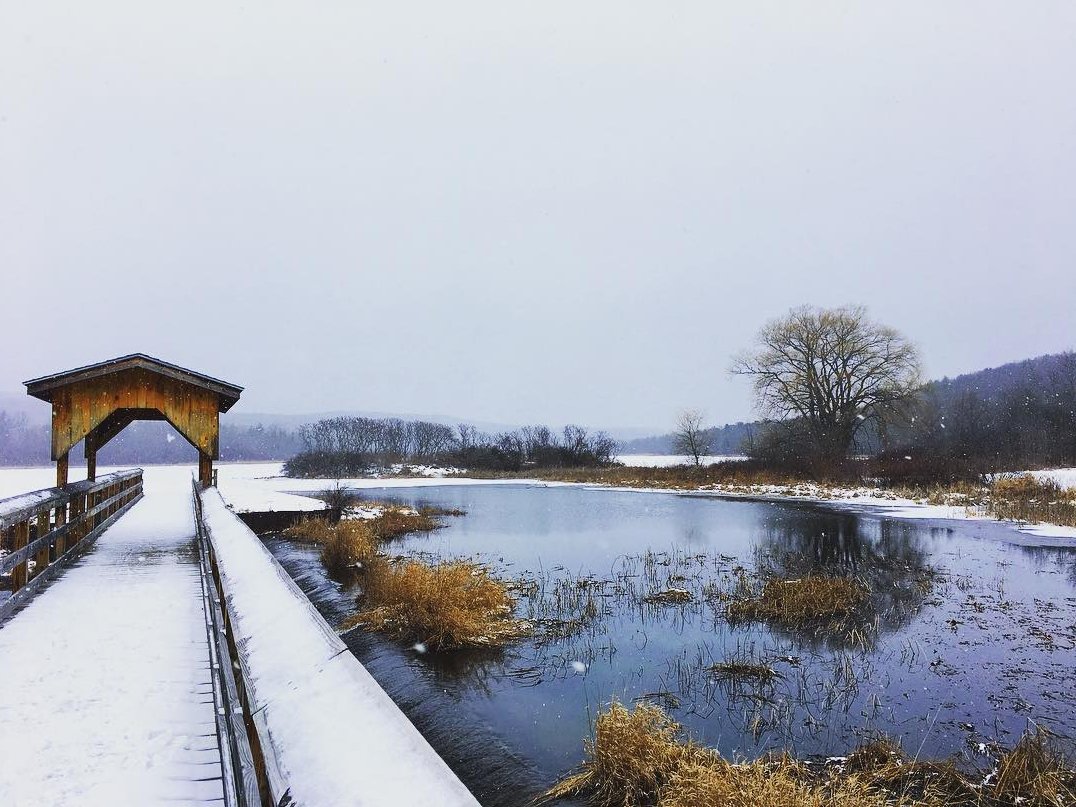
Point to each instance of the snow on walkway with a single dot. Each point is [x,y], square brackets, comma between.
[105,689]
[338,738]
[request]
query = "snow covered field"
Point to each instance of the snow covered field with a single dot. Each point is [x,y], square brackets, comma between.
[1065,477]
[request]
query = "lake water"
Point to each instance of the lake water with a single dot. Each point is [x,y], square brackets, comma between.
[968,638]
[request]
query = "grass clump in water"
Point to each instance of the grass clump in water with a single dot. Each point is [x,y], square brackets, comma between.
[349,546]
[345,546]
[742,670]
[394,522]
[1034,773]
[632,758]
[805,601]
[446,605]
[638,759]
[313,529]
[670,596]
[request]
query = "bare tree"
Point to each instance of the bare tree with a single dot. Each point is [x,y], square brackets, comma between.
[834,371]
[690,437]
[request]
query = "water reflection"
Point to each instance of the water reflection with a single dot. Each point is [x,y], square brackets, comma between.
[953,657]
[890,558]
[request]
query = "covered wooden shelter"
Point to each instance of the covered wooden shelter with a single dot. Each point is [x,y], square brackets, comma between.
[98,401]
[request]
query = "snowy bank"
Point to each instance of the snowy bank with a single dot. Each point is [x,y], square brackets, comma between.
[338,738]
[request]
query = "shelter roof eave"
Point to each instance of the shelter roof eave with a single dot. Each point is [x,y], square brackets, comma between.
[43,388]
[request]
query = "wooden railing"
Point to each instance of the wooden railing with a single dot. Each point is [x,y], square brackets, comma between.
[44,529]
[251,776]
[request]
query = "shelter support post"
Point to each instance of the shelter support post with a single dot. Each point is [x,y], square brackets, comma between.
[91,457]
[62,466]
[205,469]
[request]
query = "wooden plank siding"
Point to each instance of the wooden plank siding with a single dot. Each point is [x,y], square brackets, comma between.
[98,408]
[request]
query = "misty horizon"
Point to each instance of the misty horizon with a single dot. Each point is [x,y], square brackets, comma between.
[552,215]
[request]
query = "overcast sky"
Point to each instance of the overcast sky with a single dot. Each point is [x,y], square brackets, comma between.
[515,212]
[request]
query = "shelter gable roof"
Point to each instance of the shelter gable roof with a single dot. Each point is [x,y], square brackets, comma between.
[44,387]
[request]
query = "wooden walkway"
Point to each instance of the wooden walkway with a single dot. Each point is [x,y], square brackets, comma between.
[106,695]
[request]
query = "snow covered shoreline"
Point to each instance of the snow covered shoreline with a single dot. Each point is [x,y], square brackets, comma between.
[259,487]
[253,487]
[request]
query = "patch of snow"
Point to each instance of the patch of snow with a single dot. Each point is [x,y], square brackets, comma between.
[1065,477]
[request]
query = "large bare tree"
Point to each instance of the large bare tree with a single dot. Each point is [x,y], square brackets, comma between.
[832,370]
[690,436]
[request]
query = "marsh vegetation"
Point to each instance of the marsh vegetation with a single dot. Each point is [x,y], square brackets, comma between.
[946,642]
[640,758]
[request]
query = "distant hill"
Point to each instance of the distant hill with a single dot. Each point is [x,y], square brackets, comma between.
[1043,373]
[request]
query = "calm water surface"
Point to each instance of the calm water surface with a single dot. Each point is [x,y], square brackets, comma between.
[968,639]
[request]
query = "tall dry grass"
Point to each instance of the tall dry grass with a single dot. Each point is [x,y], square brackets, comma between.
[350,546]
[314,529]
[676,477]
[345,546]
[639,759]
[1028,498]
[797,603]
[352,543]
[394,522]
[446,605]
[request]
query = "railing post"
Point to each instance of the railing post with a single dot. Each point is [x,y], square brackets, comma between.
[76,520]
[22,538]
[44,526]
[61,520]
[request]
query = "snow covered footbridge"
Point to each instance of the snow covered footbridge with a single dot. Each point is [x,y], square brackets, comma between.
[152,651]
[155,652]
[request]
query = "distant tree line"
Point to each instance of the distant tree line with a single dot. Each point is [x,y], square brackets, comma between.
[723,440]
[145,442]
[1014,417]
[844,400]
[348,446]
